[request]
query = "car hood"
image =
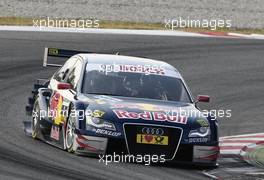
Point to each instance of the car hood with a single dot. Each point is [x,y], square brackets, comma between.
[139,110]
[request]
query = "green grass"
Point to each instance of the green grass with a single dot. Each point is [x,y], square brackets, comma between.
[19,21]
[16,21]
[257,155]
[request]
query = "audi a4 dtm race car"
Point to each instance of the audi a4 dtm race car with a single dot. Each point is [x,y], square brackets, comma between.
[100,104]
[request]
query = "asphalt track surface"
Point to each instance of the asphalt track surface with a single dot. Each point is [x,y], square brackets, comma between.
[231,71]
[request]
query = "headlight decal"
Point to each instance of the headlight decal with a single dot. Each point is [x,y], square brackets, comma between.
[203,130]
[198,133]
[94,119]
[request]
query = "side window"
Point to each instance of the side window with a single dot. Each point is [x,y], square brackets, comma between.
[65,69]
[75,74]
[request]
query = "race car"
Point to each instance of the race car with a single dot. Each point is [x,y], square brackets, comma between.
[99,104]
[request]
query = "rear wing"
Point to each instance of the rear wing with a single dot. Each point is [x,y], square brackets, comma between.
[60,53]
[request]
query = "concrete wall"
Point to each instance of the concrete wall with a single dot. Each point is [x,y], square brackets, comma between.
[243,13]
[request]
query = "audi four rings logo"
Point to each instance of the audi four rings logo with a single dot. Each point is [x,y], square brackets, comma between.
[153,131]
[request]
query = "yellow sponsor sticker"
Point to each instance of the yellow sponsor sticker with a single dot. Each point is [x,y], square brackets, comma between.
[53,51]
[152,139]
[98,113]
[203,122]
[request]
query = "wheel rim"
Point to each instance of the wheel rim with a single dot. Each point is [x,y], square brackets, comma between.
[35,118]
[70,133]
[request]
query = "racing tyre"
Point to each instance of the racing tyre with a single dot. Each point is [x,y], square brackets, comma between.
[69,135]
[35,120]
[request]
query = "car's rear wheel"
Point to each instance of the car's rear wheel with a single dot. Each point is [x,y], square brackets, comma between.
[70,135]
[35,120]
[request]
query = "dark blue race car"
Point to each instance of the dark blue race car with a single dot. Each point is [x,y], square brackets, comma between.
[100,104]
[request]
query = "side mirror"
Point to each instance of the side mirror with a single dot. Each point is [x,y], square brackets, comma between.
[64,86]
[203,98]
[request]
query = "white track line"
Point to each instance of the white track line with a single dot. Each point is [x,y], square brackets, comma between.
[250,36]
[240,35]
[126,32]
[102,31]
[210,175]
[258,36]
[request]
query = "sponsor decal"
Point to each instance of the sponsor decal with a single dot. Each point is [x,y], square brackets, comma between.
[146,115]
[97,113]
[197,140]
[152,135]
[152,139]
[53,51]
[107,132]
[55,132]
[142,69]
[122,114]
[141,106]
[57,107]
[203,122]
[153,131]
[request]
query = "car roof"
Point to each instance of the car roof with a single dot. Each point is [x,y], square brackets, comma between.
[120,59]
[94,58]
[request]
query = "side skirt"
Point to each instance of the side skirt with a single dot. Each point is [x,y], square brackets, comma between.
[55,137]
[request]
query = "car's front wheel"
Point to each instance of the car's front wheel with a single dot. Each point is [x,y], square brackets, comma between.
[35,120]
[70,135]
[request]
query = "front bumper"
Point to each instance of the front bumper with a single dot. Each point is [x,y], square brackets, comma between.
[92,145]
[205,154]
[185,153]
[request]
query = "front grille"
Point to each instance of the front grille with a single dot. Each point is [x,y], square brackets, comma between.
[173,134]
[117,146]
[184,153]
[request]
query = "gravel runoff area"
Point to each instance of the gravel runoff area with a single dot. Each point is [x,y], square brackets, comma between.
[242,13]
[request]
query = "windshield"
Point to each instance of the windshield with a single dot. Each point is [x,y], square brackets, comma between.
[130,84]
